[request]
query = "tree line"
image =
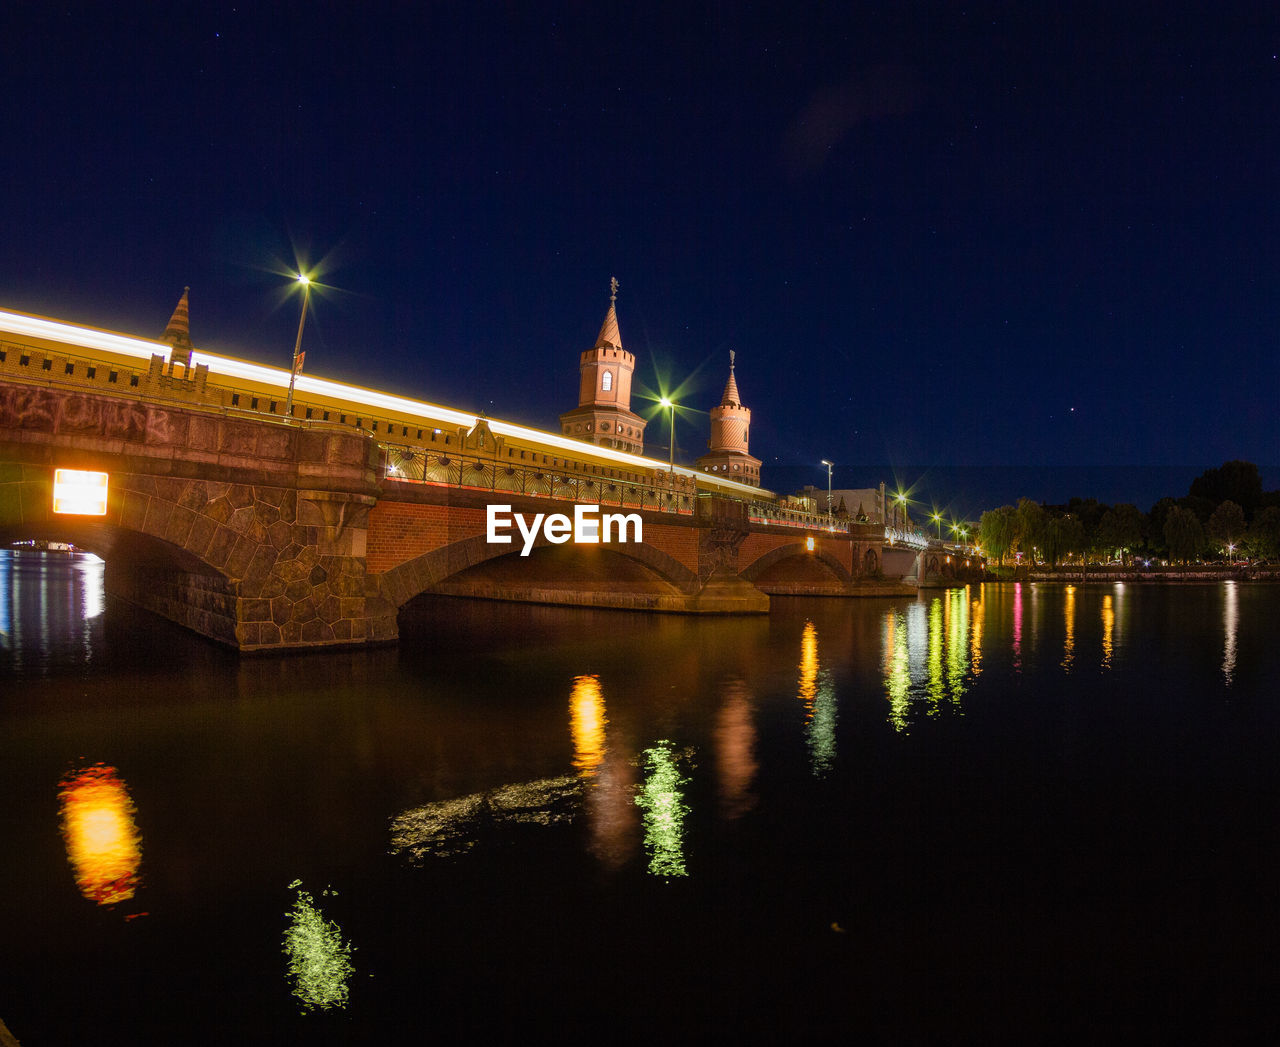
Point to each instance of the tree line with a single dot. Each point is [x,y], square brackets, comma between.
[1225,515]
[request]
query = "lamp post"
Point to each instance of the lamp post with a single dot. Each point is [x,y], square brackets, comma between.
[828,465]
[900,500]
[937,521]
[297,345]
[671,409]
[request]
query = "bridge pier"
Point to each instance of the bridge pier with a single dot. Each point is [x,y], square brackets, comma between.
[250,533]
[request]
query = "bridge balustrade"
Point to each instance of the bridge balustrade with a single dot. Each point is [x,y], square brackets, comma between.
[908,539]
[406,464]
[769,513]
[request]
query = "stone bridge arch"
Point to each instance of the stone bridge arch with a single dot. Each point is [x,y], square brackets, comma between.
[796,549]
[236,562]
[402,583]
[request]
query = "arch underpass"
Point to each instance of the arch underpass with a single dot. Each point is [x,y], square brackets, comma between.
[631,575]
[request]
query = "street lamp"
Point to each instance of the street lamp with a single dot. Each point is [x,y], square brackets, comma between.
[671,408]
[297,345]
[828,465]
[901,500]
[937,520]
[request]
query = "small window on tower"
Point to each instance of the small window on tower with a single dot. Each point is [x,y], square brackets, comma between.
[606,381]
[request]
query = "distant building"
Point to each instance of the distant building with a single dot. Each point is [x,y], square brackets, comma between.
[858,501]
[727,453]
[603,415]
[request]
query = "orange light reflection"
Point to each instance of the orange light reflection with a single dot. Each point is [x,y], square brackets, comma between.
[103,844]
[587,723]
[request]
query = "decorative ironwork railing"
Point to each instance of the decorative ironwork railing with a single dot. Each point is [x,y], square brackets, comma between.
[768,513]
[478,473]
[908,539]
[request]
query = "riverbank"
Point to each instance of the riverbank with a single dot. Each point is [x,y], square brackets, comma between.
[1150,575]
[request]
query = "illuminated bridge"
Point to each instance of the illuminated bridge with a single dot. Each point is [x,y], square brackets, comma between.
[265,520]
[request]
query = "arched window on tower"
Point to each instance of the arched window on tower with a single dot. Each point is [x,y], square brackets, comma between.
[606,381]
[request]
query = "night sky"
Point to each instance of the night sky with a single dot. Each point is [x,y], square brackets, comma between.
[1044,245]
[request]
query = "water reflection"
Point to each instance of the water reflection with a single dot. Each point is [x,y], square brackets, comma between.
[51,605]
[450,827]
[1108,630]
[735,737]
[103,844]
[587,724]
[818,695]
[957,642]
[1230,625]
[936,687]
[319,960]
[897,670]
[930,653]
[661,798]
[1069,617]
[975,630]
[1017,626]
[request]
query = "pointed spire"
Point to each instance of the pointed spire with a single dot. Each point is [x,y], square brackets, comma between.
[609,335]
[178,333]
[731,397]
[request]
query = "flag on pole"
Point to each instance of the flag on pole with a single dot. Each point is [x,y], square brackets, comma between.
[297,367]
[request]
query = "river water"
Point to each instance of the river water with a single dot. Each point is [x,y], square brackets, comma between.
[996,810]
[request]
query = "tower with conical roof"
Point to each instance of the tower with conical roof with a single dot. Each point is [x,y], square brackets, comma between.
[727,453]
[178,333]
[603,415]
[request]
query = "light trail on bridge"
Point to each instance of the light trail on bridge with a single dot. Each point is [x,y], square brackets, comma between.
[22,325]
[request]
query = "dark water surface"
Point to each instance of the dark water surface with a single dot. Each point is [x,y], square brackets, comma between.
[995,811]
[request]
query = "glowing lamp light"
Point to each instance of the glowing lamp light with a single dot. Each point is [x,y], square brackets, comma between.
[808,543]
[77,492]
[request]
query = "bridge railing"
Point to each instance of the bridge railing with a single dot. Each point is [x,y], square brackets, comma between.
[769,513]
[406,464]
[916,540]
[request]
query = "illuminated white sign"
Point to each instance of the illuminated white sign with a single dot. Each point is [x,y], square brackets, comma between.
[588,526]
[79,493]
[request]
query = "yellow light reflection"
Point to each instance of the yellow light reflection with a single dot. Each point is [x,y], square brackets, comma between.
[976,621]
[1069,642]
[587,723]
[957,628]
[319,960]
[1108,630]
[897,670]
[818,695]
[936,689]
[103,844]
[664,809]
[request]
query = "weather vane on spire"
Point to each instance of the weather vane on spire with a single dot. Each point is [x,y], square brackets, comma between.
[613,287]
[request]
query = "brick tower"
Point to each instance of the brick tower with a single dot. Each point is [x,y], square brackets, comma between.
[603,415]
[730,430]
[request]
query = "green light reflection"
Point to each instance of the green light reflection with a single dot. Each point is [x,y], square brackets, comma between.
[936,689]
[664,809]
[820,727]
[319,960]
